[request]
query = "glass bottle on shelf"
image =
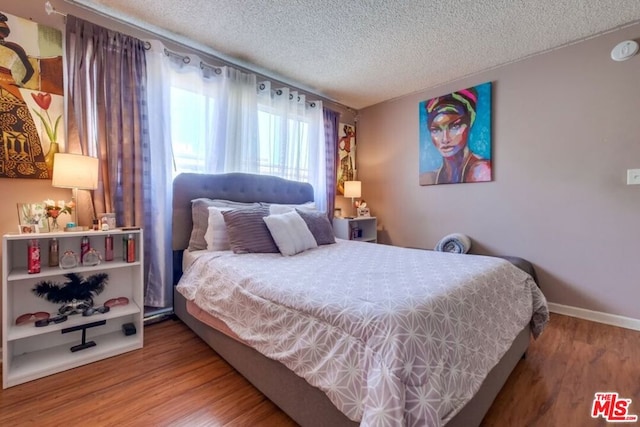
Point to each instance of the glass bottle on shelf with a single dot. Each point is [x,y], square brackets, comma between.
[33,260]
[69,260]
[53,253]
[108,248]
[131,248]
[84,248]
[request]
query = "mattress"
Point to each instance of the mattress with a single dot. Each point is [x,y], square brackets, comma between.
[353,319]
[188,257]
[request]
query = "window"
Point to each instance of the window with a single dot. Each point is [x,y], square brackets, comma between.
[283,153]
[283,144]
[226,122]
[189,127]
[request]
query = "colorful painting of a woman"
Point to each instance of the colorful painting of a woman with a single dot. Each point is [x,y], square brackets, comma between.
[455,137]
[31,98]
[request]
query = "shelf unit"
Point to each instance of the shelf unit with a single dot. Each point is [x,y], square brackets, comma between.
[364,228]
[30,352]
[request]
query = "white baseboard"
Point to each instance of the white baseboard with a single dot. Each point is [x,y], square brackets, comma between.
[596,316]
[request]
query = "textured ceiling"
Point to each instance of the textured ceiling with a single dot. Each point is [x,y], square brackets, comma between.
[362,52]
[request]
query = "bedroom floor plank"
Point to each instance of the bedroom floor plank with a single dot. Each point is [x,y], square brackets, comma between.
[571,361]
[177,380]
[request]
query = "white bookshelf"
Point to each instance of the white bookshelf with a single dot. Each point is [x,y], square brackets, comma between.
[30,352]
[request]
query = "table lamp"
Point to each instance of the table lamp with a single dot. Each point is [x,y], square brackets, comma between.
[352,189]
[77,172]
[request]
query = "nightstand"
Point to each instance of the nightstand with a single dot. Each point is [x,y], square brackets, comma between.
[364,229]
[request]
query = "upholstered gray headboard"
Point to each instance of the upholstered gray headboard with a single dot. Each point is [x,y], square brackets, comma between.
[239,187]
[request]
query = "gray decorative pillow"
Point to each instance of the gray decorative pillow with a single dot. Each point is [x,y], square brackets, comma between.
[200,217]
[319,226]
[248,233]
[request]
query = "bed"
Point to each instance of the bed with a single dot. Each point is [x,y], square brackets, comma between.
[302,398]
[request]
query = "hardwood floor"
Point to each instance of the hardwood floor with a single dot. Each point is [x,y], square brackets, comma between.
[571,361]
[177,380]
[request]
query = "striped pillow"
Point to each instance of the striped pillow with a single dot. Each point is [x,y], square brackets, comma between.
[247,231]
[200,217]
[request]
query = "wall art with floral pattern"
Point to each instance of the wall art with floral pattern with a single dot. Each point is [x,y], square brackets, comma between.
[31,98]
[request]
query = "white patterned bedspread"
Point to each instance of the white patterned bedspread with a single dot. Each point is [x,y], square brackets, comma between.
[393,336]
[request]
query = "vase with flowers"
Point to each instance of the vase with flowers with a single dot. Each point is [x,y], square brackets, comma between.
[44,101]
[53,210]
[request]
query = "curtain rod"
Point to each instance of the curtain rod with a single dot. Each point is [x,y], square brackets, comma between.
[204,66]
[183,58]
[165,35]
[187,59]
[48,7]
[217,70]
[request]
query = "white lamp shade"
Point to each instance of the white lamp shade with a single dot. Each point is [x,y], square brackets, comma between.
[352,189]
[75,171]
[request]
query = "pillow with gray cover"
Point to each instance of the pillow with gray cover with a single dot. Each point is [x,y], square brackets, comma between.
[200,218]
[319,225]
[247,231]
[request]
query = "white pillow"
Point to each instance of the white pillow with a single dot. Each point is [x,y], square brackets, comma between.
[276,209]
[216,236]
[290,233]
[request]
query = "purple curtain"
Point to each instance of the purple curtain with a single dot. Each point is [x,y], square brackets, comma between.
[107,119]
[331,119]
[107,77]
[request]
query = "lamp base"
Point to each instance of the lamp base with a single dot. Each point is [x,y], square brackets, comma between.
[74,199]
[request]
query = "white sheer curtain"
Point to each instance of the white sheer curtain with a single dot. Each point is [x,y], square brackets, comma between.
[222,120]
[219,119]
[159,292]
[292,140]
[233,140]
[213,117]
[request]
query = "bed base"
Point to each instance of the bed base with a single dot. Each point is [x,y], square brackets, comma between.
[307,405]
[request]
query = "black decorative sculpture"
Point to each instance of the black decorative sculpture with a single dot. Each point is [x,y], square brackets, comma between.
[76,295]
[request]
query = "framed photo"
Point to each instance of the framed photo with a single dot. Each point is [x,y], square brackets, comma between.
[28,229]
[337,213]
[32,213]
